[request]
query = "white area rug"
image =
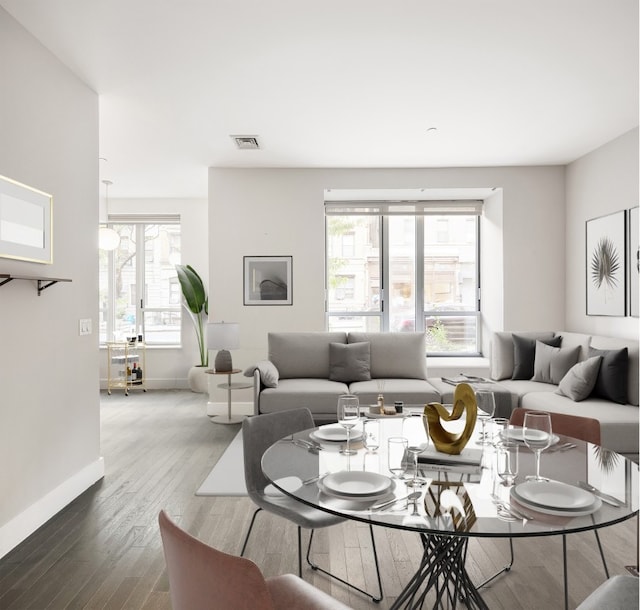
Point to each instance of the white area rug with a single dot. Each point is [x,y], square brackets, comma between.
[227,476]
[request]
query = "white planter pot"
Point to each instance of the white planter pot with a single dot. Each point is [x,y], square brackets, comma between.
[198,379]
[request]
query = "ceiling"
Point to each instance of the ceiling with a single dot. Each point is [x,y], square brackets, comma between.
[342,83]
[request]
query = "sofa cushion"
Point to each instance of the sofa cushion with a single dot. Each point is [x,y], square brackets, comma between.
[613,375]
[395,355]
[524,353]
[320,396]
[579,381]
[302,354]
[350,361]
[633,385]
[268,373]
[552,363]
[576,340]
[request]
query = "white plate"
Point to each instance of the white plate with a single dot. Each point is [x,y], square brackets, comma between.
[554,494]
[335,432]
[355,501]
[558,512]
[517,434]
[357,483]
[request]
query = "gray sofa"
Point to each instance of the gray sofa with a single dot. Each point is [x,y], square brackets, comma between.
[619,422]
[311,369]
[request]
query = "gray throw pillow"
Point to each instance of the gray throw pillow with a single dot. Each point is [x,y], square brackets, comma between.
[580,380]
[350,361]
[524,354]
[552,363]
[269,375]
[613,377]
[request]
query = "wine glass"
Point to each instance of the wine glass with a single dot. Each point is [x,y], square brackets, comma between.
[414,429]
[536,431]
[486,408]
[348,416]
[500,426]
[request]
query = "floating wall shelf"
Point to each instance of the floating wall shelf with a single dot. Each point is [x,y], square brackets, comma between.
[43,282]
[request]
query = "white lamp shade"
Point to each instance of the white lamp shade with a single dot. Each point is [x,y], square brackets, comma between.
[223,335]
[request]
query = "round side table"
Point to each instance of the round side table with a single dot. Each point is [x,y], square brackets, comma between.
[229,386]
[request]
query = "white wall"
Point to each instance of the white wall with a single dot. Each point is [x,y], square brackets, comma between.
[280,212]
[167,367]
[602,182]
[49,409]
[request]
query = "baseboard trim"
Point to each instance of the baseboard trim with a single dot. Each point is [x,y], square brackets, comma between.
[28,521]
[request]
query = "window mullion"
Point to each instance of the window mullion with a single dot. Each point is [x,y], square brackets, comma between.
[384,272]
[111,296]
[140,278]
[419,271]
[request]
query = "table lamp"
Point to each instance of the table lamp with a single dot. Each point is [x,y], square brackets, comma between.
[223,337]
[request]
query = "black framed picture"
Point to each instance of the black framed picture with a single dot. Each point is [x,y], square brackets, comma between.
[605,265]
[634,262]
[268,280]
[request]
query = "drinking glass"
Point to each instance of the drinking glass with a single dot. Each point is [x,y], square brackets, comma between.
[499,427]
[507,462]
[348,417]
[397,455]
[486,408]
[371,434]
[536,431]
[414,429]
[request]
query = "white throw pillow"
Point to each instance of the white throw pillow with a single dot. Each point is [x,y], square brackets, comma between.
[580,380]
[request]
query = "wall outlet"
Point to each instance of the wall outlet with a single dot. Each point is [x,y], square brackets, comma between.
[84,326]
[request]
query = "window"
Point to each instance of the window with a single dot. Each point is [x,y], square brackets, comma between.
[139,288]
[413,267]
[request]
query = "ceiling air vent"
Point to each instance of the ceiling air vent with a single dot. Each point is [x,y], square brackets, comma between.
[246,142]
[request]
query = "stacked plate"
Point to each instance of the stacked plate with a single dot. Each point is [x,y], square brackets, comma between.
[517,435]
[356,485]
[335,432]
[556,498]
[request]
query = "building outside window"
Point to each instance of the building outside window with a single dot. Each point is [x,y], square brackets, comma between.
[414,267]
[139,288]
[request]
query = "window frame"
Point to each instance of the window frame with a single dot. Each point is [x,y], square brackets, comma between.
[139,223]
[421,210]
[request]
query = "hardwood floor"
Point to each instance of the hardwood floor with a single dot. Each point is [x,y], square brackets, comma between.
[104,549]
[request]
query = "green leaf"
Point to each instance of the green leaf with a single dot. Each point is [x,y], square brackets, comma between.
[192,289]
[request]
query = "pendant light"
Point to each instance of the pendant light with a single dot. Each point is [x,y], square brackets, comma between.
[108,239]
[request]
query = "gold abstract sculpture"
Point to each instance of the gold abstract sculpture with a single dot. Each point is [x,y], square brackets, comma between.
[464,400]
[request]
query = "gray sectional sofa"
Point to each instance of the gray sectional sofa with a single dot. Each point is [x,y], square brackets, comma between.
[619,418]
[311,369]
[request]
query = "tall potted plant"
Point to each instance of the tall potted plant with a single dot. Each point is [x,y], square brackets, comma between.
[196,303]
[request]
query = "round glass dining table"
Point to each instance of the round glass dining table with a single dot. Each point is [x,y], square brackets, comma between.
[455,503]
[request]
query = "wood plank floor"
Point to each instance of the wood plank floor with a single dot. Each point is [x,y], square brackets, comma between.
[104,549]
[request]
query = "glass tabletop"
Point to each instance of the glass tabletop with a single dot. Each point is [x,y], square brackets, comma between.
[454,500]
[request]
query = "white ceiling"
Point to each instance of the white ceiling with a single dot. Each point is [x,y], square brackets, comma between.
[342,83]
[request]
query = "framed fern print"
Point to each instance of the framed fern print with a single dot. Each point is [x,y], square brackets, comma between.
[633,262]
[606,265]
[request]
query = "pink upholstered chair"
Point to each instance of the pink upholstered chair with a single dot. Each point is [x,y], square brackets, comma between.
[203,578]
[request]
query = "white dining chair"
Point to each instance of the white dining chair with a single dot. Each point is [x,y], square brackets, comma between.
[258,434]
